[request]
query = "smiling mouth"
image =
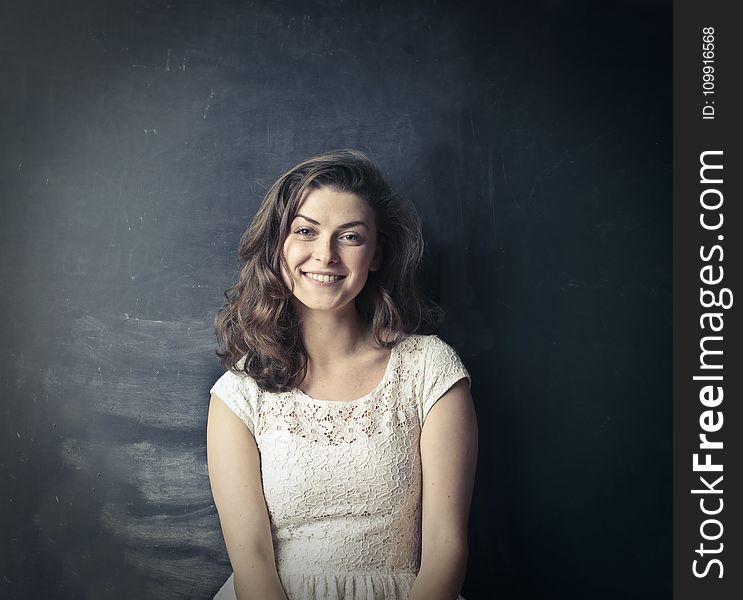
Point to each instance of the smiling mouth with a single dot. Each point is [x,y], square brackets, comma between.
[323,278]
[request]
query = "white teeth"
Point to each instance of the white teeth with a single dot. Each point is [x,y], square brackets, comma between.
[323,278]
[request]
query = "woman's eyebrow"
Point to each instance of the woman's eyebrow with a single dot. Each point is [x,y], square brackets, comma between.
[344,225]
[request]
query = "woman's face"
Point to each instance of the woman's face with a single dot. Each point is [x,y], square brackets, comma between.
[330,249]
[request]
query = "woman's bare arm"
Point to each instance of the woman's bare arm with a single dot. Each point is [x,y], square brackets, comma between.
[235,476]
[449,456]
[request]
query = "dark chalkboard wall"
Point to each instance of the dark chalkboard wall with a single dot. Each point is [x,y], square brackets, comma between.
[136,141]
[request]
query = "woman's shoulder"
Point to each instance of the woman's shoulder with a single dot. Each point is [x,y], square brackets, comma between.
[234,381]
[240,392]
[432,367]
[425,343]
[434,354]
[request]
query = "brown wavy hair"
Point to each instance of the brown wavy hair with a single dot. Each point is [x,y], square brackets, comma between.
[259,323]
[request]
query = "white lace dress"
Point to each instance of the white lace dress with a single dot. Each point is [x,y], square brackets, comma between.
[342,480]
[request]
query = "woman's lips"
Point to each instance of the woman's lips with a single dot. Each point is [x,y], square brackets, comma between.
[322,280]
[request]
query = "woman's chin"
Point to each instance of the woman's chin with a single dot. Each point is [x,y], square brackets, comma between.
[330,308]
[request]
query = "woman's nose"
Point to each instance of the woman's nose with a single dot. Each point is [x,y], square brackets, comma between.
[324,251]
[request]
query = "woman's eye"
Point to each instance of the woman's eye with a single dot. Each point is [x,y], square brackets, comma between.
[352,237]
[304,231]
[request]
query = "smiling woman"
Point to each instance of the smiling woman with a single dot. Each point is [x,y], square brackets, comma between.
[342,438]
[331,250]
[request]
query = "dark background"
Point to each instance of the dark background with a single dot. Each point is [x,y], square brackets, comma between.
[137,139]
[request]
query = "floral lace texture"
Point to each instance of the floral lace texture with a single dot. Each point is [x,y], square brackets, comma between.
[342,480]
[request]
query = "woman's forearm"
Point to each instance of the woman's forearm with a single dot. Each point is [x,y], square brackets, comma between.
[259,584]
[441,574]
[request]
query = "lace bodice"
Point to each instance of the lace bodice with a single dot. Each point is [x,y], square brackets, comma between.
[342,480]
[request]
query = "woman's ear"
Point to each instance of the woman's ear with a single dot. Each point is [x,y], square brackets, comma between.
[376,263]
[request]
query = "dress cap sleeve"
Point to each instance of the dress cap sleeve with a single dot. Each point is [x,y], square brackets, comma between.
[240,393]
[442,369]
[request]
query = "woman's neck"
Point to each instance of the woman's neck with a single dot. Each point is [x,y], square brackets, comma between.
[331,338]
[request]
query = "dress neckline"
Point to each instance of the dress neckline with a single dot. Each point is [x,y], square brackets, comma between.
[387,374]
